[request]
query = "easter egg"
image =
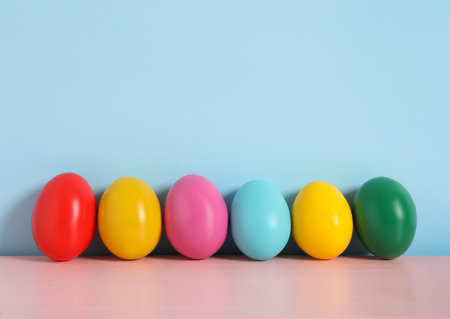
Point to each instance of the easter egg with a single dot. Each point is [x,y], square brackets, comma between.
[64,217]
[129,218]
[195,217]
[260,220]
[385,217]
[322,222]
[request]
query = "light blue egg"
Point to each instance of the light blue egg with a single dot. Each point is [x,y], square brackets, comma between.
[260,220]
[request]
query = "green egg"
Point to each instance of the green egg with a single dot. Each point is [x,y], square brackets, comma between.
[385,217]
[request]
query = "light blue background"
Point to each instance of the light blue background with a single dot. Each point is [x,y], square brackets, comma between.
[289,91]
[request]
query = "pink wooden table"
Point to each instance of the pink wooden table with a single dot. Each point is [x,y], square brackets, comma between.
[225,287]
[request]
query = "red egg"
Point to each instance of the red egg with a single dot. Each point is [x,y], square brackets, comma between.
[64,217]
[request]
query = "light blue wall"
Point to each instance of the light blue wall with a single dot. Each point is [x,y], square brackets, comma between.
[289,91]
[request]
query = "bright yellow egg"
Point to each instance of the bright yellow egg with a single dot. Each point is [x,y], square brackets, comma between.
[322,222]
[129,218]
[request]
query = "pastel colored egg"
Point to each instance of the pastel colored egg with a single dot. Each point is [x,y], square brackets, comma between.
[64,217]
[322,222]
[260,220]
[385,217]
[129,218]
[195,217]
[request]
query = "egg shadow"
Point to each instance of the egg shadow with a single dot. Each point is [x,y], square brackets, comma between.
[229,246]
[96,247]
[16,237]
[356,247]
[291,247]
[164,247]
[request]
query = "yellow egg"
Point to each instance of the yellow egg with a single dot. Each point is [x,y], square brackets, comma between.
[129,218]
[322,222]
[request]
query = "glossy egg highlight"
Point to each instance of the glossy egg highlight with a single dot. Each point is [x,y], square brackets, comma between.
[195,217]
[260,220]
[64,217]
[385,217]
[129,218]
[322,222]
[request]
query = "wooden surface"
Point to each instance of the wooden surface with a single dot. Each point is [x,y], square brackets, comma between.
[225,287]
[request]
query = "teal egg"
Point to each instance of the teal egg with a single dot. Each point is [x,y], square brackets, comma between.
[260,220]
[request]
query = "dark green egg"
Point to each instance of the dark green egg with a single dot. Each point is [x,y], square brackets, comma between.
[385,217]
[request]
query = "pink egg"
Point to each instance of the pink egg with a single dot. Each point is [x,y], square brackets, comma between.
[195,217]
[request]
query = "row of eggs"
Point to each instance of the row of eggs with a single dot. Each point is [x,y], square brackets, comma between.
[130,220]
